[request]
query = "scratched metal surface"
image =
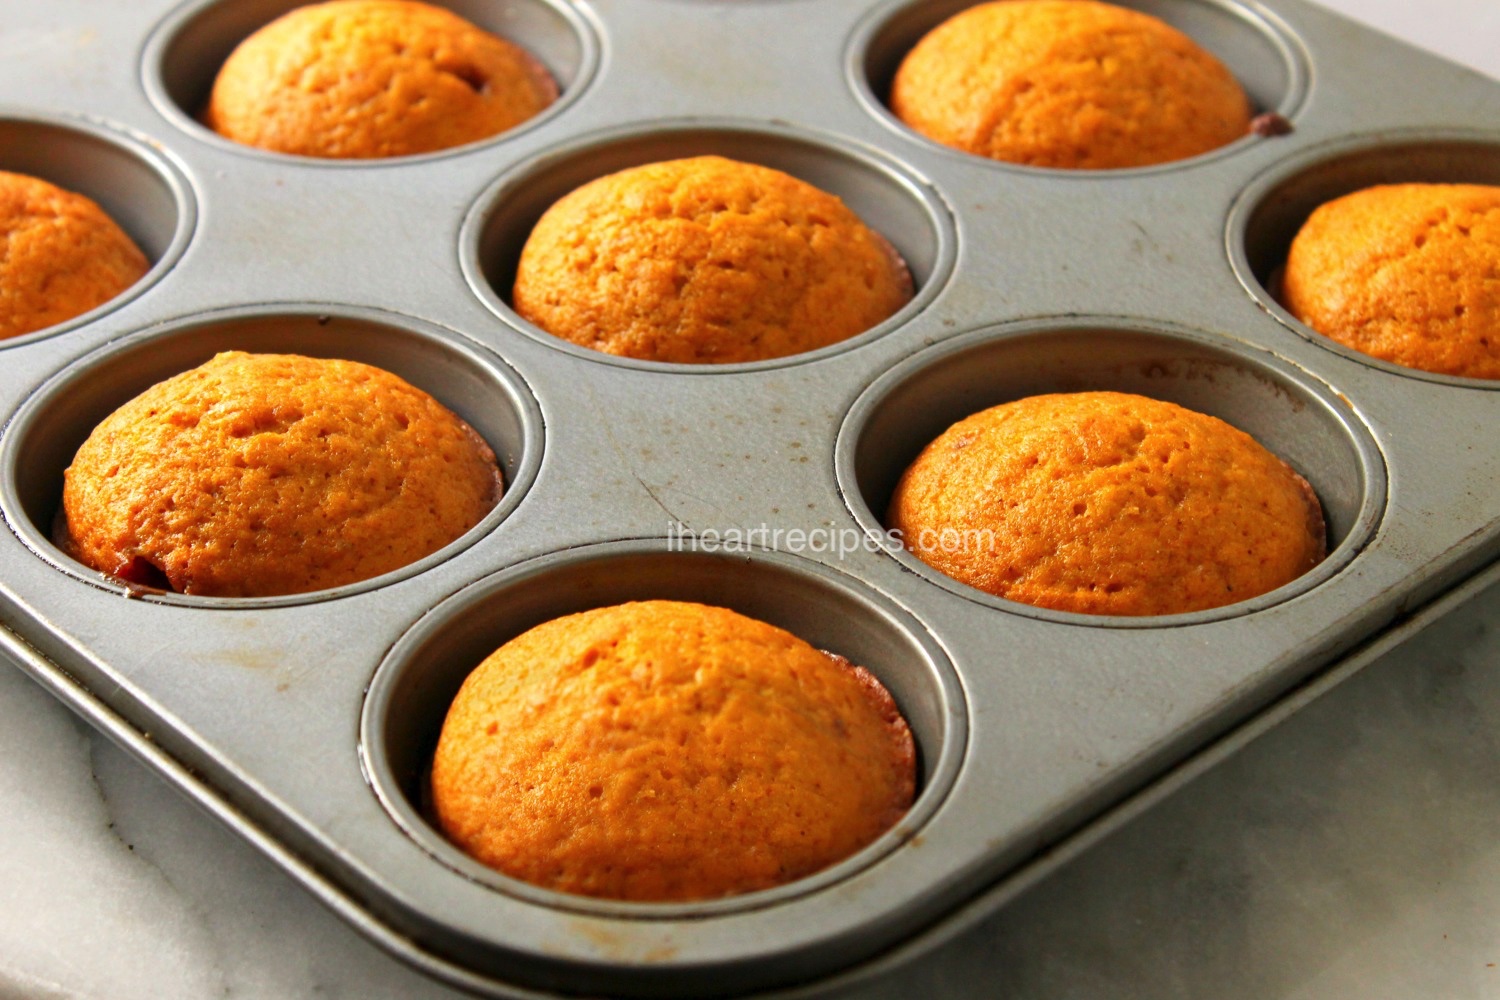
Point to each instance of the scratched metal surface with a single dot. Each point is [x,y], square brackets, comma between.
[307,718]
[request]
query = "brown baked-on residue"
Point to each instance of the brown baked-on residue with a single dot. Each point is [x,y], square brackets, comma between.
[1107,503]
[1068,83]
[264,474]
[661,750]
[1409,273]
[706,260]
[60,255]
[361,79]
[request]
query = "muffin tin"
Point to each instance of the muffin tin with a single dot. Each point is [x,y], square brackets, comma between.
[305,722]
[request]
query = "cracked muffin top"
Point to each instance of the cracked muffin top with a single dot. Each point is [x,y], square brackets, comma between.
[1409,273]
[1107,503]
[359,79]
[663,750]
[1070,84]
[706,260]
[60,255]
[262,474]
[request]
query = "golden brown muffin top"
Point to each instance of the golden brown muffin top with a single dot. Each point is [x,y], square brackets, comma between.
[60,255]
[1107,503]
[663,750]
[358,79]
[706,260]
[263,474]
[1067,83]
[1409,273]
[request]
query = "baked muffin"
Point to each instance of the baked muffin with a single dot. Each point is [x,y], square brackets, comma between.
[261,474]
[661,750]
[1409,273]
[1107,503]
[60,255]
[706,260]
[358,79]
[1067,83]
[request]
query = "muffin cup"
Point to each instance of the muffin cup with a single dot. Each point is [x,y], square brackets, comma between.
[1262,51]
[185,52]
[47,431]
[907,211]
[1268,214]
[131,178]
[1303,422]
[411,691]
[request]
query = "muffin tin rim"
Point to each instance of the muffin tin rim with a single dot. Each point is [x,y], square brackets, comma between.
[931,795]
[155,156]
[923,191]
[76,370]
[1370,455]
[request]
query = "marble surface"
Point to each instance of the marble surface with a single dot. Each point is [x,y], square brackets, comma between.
[1350,853]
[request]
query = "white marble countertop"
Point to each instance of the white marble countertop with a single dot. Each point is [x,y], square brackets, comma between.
[1351,852]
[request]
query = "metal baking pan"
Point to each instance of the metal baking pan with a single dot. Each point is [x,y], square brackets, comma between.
[305,721]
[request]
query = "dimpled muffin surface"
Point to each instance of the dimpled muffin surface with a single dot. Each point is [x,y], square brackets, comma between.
[706,260]
[263,474]
[360,79]
[60,255]
[1409,273]
[1107,503]
[662,750]
[1069,84]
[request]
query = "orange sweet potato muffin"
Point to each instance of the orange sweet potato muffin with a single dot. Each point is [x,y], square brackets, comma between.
[1107,503]
[60,255]
[261,474]
[706,260]
[370,78]
[1405,272]
[1067,83]
[662,750]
